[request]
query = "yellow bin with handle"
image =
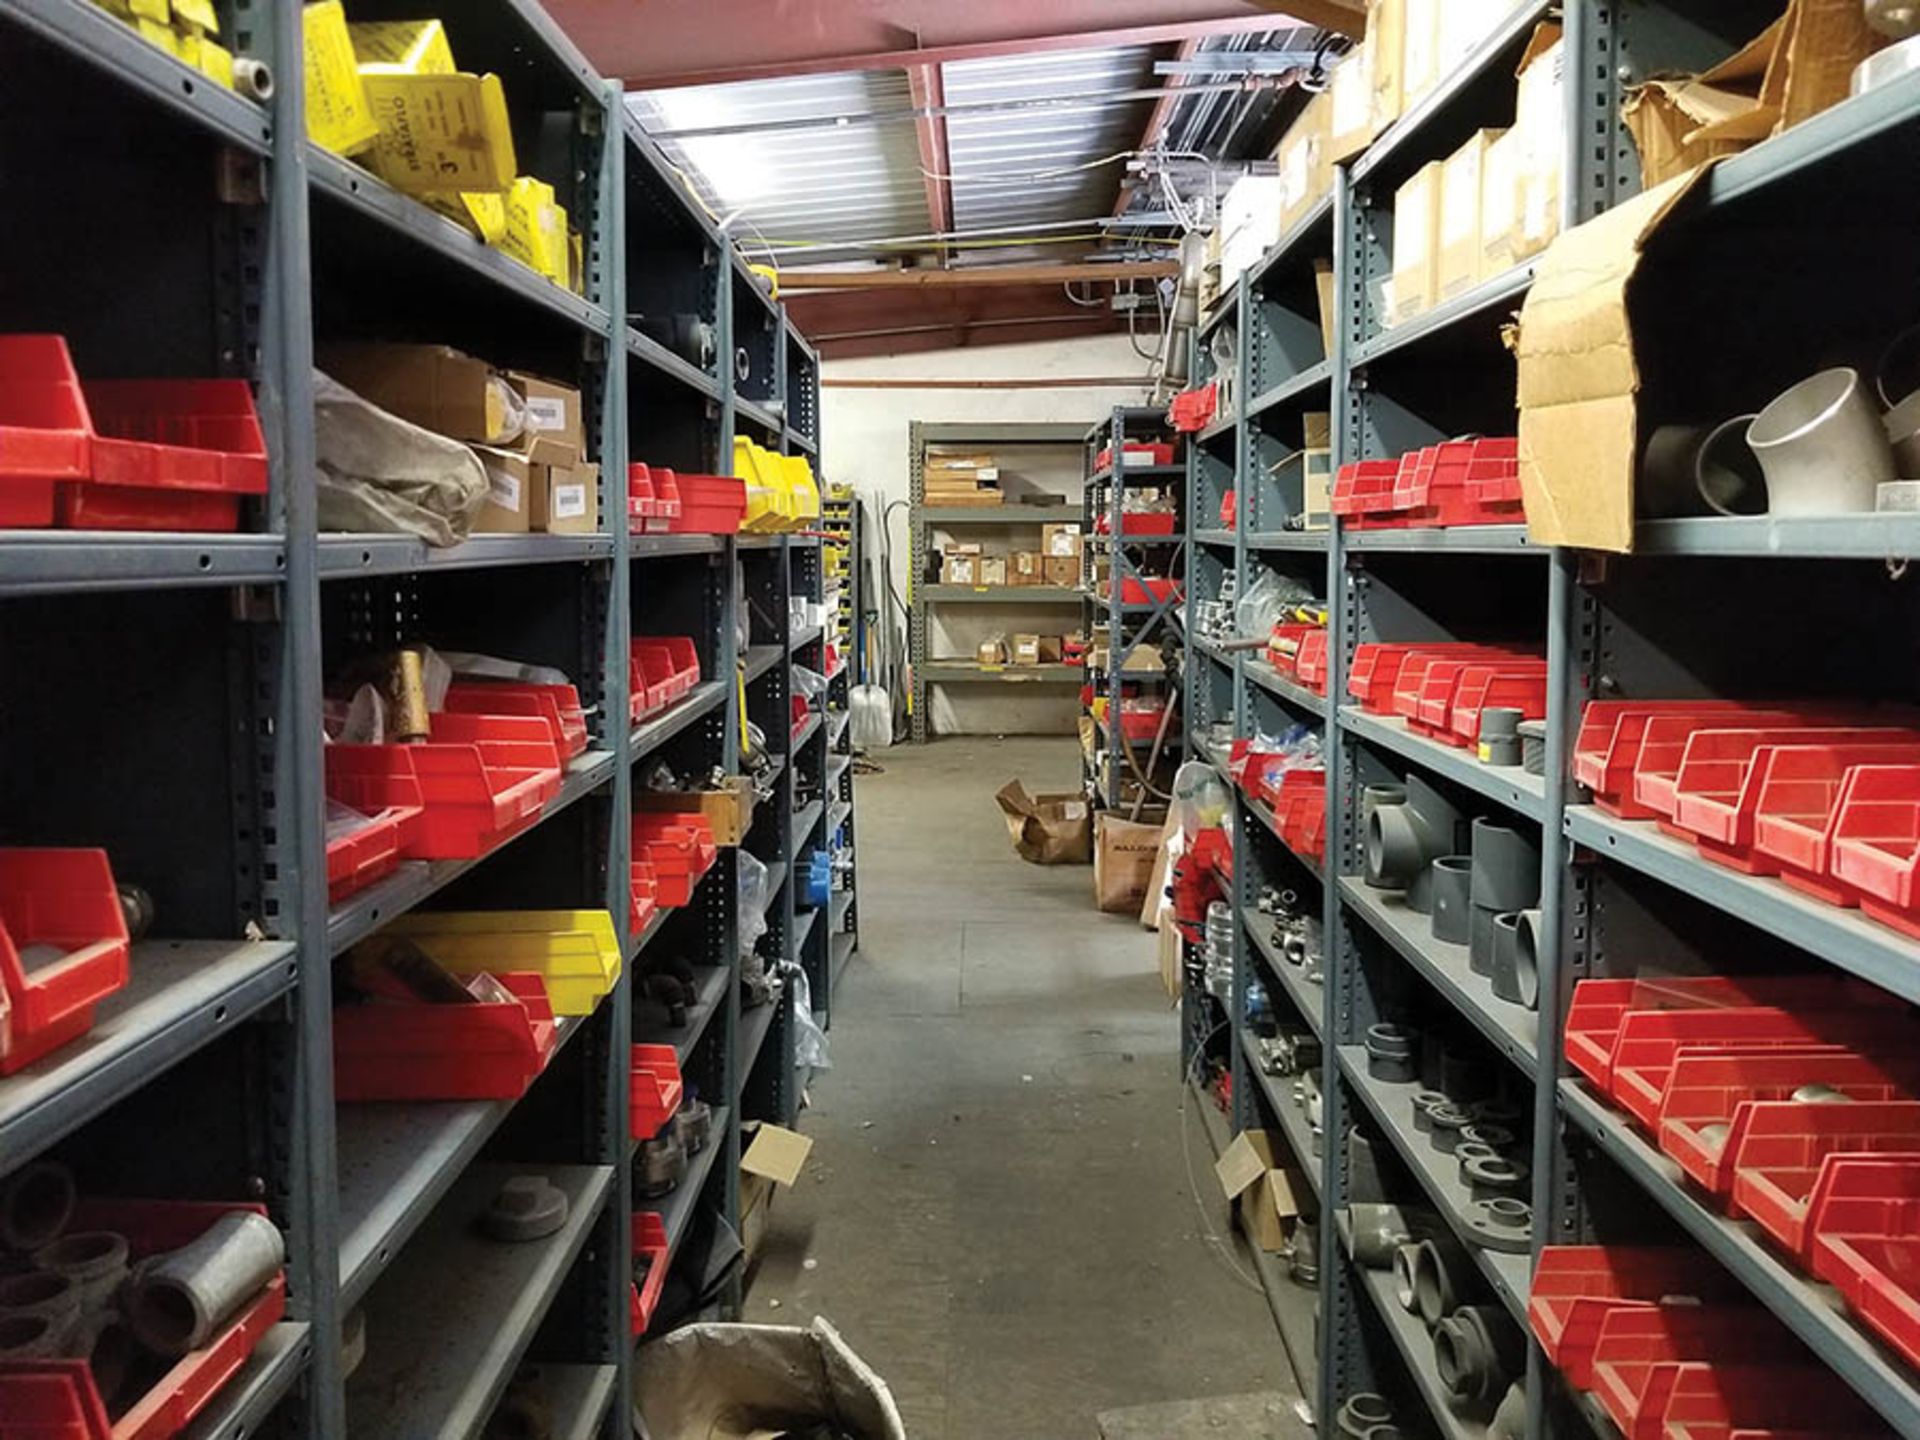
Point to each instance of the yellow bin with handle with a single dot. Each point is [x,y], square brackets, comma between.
[769,501]
[804,490]
[576,952]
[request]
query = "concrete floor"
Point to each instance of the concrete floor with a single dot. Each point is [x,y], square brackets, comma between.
[997,1214]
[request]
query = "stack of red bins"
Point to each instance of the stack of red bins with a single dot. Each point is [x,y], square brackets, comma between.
[654,1089]
[650,1242]
[1138,452]
[400,1048]
[1298,650]
[59,1398]
[663,669]
[1194,409]
[710,504]
[1824,795]
[677,848]
[1137,522]
[121,454]
[66,900]
[1670,1346]
[652,499]
[1300,810]
[1457,482]
[1440,688]
[1789,1101]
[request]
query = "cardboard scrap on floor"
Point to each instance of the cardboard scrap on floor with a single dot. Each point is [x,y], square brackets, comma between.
[1047,829]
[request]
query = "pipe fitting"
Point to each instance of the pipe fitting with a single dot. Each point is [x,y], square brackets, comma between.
[1405,1260]
[95,1260]
[1503,1223]
[1424,1104]
[1390,1052]
[42,1292]
[1482,1132]
[28,1337]
[1364,1184]
[1482,940]
[1378,1231]
[1447,1121]
[36,1202]
[1362,1412]
[1492,1176]
[1533,746]
[1510,1420]
[1522,982]
[1506,867]
[1468,1151]
[1449,886]
[1700,470]
[1476,1353]
[178,1302]
[1822,446]
[1403,840]
[1433,1287]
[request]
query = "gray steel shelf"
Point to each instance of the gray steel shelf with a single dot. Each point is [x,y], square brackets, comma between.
[1844,938]
[443,1379]
[179,995]
[1223,538]
[1414,1342]
[1449,540]
[242,1405]
[395,1161]
[676,1208]
[1003,594]
[1511,1028]
[654,731]
[95,36]
[808,729]
[837,728]
[651,352]
[1213,429]
[1303,540]
[967,672]
[997,515]
[354,556]
[650,547]
[1820,537]
[760,659]
[1292,691]
[1508,785]
[1294,387]
[1291,1118]
[712,995]
[655,924]
[1307,999]
[1409,130]
[358,916]
[1814,1312]
[840,947]
[837,813]
[1212,651]
[805,444]
[803,922]
[1467,305]
[339,179]
[51,562]
[1176,471]
[1391,1105]
[759,414]
[776,877]
[755,1025]
[578,1397]
[1825,136]
[837,908]
[1283,249]
[800,639]
[805,820]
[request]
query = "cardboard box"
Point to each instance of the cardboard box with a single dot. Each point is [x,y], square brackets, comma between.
[1457,268]
[1350,127]
[435,386]
[536,229]
[1265,1198]
[1316,487]
[1416,221]
[1316,429]
[439,134]
[993,570]
[553,414]
[728,810]
[1026,567]
[992,652]
[1305,172]
[1123,856]
[1386,43]
[1464,26]
[772,1159]
[1326,288]
[1170,955]
[1419,52]
[1052,649]
[1057,541]
[1500,204]
[1026,649]
[1062,571]
[960,569]
[1047,829]
[1250,223]
[509,506]
[961,547]
[1538,116]
[566,501]
[339,117]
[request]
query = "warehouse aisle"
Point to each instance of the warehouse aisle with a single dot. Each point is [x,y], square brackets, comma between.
[997,1214]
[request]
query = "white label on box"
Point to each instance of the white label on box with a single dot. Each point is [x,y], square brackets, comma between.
[546,412]
[1062,546]
[569,502]
[503,489]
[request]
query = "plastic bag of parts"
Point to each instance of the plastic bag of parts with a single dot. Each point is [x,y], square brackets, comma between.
[871,718]
[732,1382]
[1264,602]
[810,683]
[1269,757]
[1201,799]
[492,667]
[374,471]
[752,890]
[809,1040]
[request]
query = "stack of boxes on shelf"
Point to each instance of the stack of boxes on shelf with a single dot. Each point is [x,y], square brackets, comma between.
[1056,563]
[957,477]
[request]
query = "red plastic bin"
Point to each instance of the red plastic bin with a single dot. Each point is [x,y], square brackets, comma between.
[1710,1098]
[1778,1170]
[558,705]
[650,1239]
[45,432]
[1138,452]
[682,661]
[46,1398]
[1310,665]
[1137,522]
[1800,787]
[476,793]
[710,504]
[1445,680]
[1679,1398]
[370,852]
[1423,661]
[653,1089]
[1607,748]
[168,455]
[1375,673]
[1575,1287]
[487,1051]
[64,900]
[1865,1224]
[1284,642]
[1641,1353]
[1519,685]
[644,897]
[1876,842]
[1663,748]
[1362,494]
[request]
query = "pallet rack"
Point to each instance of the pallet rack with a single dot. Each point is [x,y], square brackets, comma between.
[1131,625]
[209,792]
[1617,895]
[924,595]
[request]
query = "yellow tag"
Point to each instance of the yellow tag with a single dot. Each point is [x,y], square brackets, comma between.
[1485,751]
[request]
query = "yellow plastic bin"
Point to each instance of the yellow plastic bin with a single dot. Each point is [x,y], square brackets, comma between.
[575,951]
[769,501]
[805,491]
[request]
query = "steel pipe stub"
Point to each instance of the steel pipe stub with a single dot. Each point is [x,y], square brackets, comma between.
[1361,1413]
[1506,867]
[1433,1288]
[1446,1122]
[1700,470]
[1516,970]
[96,1260]
[1502,1223]
[1424,1104]
[1500,735]
[1468,1151]
[1494,1137]
[1378,1231]
[1405,1260]
[36,1202]
[1533,746]
[178,1300]
[1823,446]
[1390,1052]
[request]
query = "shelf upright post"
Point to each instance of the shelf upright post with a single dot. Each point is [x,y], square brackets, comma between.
[733,728]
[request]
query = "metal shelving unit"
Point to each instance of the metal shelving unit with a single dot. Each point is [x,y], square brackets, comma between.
[209,792]
[1616,894]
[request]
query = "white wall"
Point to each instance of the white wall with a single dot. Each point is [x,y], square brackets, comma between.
[865,435]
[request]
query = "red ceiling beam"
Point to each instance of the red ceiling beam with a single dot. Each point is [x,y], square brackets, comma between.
[930,131]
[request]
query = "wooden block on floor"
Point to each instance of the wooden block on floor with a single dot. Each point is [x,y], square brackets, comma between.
[1268,1415]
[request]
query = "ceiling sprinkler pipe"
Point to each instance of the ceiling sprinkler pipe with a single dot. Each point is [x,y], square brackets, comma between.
[1823,447]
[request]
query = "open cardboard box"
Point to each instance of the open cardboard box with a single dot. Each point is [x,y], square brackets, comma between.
[1264,1195]
[772,1159]
[1047,829]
